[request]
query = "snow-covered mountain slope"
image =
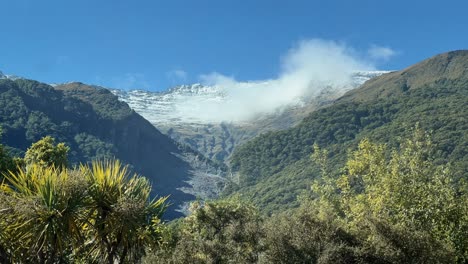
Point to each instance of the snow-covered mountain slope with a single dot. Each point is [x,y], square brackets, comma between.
[169,107]
[11,77]
[162,107]
[176,112]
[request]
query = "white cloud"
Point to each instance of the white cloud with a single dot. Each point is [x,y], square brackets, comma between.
[215,78]
[381,53]
[177,75]
[131,81]
[306,69]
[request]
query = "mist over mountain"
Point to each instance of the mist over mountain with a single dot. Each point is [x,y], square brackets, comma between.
[212,118]
[217,139]
[274,168]
[173,106]
[225,132]
[217,133]
[220,113]
[306,70]
[265,158]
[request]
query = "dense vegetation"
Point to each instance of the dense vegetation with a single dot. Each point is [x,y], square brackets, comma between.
[272,169]
[357,182]
[400,207]
[95,213]
[95,125]
[397,208]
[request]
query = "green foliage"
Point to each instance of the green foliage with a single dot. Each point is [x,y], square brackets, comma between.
[301,237]
[388,206]
[38,126]
[93,148]
[312,234]
[390,243]
[226,231]
[394,202]
[102,101]
[96,214]
[125,219]
[75,113]
[46,213]
[263,165]
[280,191]
[7,163]
[405,192]
[46,153]
[95,125]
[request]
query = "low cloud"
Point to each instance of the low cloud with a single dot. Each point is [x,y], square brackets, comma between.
[177,75]
[131,81]
[381,53]
[306,69]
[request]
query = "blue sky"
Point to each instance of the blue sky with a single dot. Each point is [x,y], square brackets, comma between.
[157,44]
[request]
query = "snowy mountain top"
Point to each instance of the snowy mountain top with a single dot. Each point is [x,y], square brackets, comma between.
[10,77]
[198,104]
[238,102]
[358,78]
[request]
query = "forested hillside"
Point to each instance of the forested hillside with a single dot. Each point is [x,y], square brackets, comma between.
[275,167]
[378,176]
[95,125]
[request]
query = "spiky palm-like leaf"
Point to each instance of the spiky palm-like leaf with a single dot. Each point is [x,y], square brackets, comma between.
[125,219]
[47,213]
[96,214]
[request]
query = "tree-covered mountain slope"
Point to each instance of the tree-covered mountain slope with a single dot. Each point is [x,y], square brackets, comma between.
[96,125]
[275,167]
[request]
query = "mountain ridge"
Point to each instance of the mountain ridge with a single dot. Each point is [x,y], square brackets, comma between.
[447,66]
[6,76]
[96,125]
[274,168]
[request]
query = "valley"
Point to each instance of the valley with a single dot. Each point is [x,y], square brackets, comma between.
[233,132]
[272,174]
